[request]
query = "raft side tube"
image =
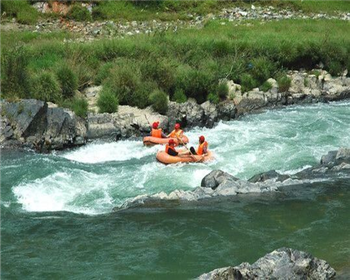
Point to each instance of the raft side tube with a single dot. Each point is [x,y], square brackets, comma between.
[149,140]
[165,158]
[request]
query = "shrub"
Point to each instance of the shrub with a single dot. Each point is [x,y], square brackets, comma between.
[262,69]
[283,83]
[28,16]
[45,87]
[14,74]
[247,82]
[79,13]
[222,90]
[335,68]
[213,98]
[107,102]
[80,107]
[160,72]
[159,101]
[68,81]
[140,97]
[266,86]
[179,96]
[103,73]
[194,83]
[124,81]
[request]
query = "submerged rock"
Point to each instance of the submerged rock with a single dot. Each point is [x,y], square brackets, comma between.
[283,263]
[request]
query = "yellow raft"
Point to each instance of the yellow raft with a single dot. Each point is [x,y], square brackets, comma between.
[165,158]
[149,140]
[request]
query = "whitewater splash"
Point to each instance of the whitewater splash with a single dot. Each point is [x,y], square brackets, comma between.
[114,151]
[95,178]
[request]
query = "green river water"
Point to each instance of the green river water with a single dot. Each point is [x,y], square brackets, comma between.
[56,210]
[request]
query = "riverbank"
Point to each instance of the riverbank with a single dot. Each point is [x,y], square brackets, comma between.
[44,127]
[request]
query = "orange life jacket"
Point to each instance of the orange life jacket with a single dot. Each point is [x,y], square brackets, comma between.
[156,133]
[173,134]
[201,148]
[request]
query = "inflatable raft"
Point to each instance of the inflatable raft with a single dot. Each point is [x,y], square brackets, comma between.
[163,157]
[149,140]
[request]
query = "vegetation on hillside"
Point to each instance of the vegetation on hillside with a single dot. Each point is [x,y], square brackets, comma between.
[189,63]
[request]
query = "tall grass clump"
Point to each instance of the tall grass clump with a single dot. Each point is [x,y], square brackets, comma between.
[79,107]
[14,75]
[159,101]
[45,87]
[179,96]
[79,13]
[284,82]
[107,102]
[68,81]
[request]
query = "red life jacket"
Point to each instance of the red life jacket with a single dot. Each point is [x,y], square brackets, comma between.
[200,150]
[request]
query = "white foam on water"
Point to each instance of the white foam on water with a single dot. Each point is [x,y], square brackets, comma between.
[115,151]
[78,192]
[288,140]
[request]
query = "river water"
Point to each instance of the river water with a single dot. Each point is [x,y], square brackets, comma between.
[58,223]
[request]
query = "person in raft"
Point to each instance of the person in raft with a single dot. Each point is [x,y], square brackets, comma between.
[157,132]
[170,149]
[202,147]
[177,132]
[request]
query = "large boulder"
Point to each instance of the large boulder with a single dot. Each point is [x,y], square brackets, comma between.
[34,124]
[283,263]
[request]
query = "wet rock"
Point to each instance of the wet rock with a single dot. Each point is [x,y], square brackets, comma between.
[226,110]
[217,178]
[343,155]
[329,158]
[283,263]
[269,175]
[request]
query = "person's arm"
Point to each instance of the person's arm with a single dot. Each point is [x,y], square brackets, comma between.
[164,135]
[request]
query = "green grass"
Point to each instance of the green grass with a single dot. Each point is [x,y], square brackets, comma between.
[189,61]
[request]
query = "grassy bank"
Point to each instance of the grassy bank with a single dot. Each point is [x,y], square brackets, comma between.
[185,64]
[167,10]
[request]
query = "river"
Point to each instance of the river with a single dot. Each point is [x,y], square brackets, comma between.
[58,223]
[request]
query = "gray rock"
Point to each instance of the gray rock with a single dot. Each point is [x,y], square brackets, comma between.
[284,263]
[226,110]
[269,175]
[329,158]
[217,178]
[343,155]
[33,124]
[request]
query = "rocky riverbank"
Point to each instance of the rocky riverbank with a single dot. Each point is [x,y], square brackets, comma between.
[44,127]
[219,184]
[283,263]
